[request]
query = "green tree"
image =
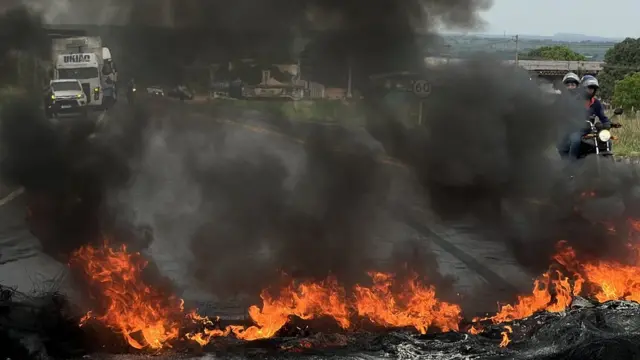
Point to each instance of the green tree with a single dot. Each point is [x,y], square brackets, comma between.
[626,93]
[558,52]
[621,60]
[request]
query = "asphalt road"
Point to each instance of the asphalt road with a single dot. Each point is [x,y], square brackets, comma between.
[485,269]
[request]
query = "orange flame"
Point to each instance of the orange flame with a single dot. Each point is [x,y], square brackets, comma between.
[415,306]
[505,336]
[611,280]
[552,295]
[205,336]
[616,281]
[608,280]
[635,224]
[147,319]
[475,329]
[144,317]
[307,301]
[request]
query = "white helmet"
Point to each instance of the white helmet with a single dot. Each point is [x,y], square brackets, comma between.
[590,80]
[571,77]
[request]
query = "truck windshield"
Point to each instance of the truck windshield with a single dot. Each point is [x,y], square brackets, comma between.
[66,86]
[78,73]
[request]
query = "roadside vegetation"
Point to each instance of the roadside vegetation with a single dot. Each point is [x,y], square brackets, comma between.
[557,52]
[620,84]
[628,143]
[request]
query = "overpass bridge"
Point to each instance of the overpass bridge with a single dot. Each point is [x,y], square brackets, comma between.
[559,68]
[548,69]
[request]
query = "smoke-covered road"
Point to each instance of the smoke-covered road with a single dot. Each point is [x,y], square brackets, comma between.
[467,264]
[23,264]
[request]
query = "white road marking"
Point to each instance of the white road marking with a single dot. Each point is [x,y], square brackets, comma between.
[12,196]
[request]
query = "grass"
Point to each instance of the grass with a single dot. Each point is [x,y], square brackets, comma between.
[628,143]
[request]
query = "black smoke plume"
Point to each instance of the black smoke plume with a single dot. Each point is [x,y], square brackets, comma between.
[373,37]
[66,173]
[229,202]
[234,207]
[486,152]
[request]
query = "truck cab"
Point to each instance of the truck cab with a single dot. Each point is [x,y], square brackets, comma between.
[83,67]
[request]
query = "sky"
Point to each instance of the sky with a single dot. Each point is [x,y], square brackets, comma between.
[612,18]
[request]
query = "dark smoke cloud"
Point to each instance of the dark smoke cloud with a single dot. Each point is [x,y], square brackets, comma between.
[486,152]
[235,211]
[318,227]
[20,30]
[374,36]
[241,210]
[232,208]
[65,173]
[20,33]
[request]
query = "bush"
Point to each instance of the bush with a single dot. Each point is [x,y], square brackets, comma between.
[626,93]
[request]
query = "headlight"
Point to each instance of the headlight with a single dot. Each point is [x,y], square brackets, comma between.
[604,135]
[96,89]
[79,96]
[53,97]
[134,89]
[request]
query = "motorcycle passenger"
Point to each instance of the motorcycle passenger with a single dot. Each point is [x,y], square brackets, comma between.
[571,82]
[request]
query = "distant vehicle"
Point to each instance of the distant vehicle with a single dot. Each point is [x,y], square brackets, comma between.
[65,97]
[155,91]
[181,92]
[85,59]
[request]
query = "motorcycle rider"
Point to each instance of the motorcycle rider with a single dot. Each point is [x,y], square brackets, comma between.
[595,109]
[131,89]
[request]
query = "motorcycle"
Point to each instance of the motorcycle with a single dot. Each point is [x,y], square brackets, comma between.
[599,140]
[573,202]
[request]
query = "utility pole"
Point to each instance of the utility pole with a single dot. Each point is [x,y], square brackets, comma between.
[516,39]
[349,94]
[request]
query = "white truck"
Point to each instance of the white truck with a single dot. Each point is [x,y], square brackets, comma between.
[85,59]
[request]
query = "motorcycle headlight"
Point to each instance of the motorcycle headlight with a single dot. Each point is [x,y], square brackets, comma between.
[604,135]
